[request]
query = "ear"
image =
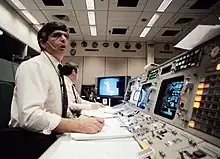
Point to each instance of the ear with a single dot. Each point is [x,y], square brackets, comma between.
[42,43]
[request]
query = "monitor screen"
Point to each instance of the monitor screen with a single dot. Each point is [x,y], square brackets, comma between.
[169,96]
[144,95]
[112,86]
[109,87]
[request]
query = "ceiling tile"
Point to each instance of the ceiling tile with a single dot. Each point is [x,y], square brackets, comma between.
[29,4]
[164,18]
[152,5]
[101,30]
[186,8]
[39,16]
[123,18]
[76,28]
[196,19]
[101,17]
[212,19]
[138,30]
[145,15]
[70,14]
[67,5]
[113,6]
[160,38]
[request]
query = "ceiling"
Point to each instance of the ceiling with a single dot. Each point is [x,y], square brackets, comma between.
[131,20]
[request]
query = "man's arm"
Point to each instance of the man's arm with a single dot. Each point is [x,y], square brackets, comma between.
[32,89]
[89,125]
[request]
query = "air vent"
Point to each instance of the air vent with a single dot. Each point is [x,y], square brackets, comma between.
[203,4]
[127,3]
[61,17]
[183,21]
[72,31]
[53,2]
[170,32]
[121,31]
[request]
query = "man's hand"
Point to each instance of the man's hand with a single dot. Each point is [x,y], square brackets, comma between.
[97,105]
[90,125]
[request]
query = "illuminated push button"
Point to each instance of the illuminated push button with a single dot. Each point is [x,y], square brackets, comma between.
[196,105]
[143,144]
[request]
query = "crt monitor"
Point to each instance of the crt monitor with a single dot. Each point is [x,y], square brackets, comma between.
[169,96]
[144,95]
[112,86]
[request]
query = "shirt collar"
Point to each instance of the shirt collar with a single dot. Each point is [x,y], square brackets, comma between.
[53,59]
[68,80]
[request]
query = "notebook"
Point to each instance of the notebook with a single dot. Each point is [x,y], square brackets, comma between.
[111,130]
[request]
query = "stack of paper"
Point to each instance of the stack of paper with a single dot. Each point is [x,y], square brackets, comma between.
[97,113]
[110,110]
[111,130]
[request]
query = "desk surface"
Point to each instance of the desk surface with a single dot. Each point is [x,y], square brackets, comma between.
[66,147]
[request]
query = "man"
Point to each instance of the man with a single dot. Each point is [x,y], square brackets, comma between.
[75,102]
[40,95]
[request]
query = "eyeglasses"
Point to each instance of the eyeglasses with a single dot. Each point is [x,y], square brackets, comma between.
[58,34]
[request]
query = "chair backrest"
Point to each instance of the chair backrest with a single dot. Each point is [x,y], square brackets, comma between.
[6,94]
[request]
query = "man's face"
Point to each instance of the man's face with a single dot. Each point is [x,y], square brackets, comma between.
[74,76]
[57,41]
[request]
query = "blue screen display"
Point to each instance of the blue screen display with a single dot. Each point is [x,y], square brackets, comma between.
[144,95]
[169,96]
[109,87]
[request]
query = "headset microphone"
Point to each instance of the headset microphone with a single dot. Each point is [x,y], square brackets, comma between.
[54,48]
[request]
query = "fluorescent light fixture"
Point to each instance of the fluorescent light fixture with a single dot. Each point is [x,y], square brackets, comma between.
[91,16]
[144,32]
[30,17]
[18,4]
[153,20]
[93,30]
[163,6]
[90,4]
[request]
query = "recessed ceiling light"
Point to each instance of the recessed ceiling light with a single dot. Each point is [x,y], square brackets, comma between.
[163,6]
[145,32]
[90,4]
[93,30]
[18,4]
[91,16]
[153,20]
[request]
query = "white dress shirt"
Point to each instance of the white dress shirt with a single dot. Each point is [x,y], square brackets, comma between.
[37,101]
[81,104]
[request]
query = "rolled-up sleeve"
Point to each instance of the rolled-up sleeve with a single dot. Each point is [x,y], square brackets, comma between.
[32,91]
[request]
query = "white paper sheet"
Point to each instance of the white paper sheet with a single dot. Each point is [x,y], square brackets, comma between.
[97,113]
[112,129]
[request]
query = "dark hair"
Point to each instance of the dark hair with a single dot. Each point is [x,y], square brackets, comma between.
[69,67]
[48,29]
